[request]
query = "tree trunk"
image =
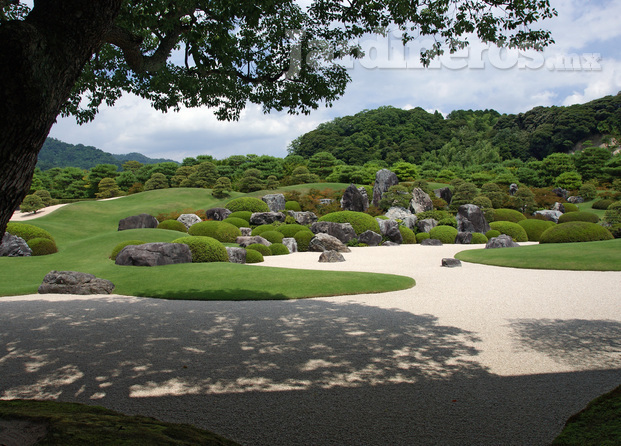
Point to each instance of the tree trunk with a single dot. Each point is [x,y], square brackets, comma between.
[41,59]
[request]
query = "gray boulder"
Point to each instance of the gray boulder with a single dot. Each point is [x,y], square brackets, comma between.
[431,242]
[189,219]
[325,242]
[421,201]
[236,255]
[410,222]
[558,207]
[575,200]
[217,214]
[398,213]
[513,188]
[451,263]
[304,218]
[370,238]
[463,238]
[389,243]
[73,282]
[549,214]
[246,231]
[470,218]
[560,192]
[276,202]
[365,195]
[331,257]
[138,222]
[245,241]
[390,229]
[342,231]
[502,241]
[266,218]
[14,246]
[445,193]
[353,200]
[427,224]
[291,244]
[154,254]
[384,179]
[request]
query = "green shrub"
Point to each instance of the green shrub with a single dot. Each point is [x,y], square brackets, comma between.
[172,225]
[42,246]
[508,215]
[253,256]
[263,228]
[278,249]
[436,215]
[272,236]
[492,233]
[264,250]
[421,236]
[360,221]
[118,248]
[205,249]
[237,222]
[291,230]
[450,221]
[570,207]
[578,216]
[575,231]
[27,232]
[515,231]
[478,239]
[615,230]
[612,216]
[292,206]
[250,204]
[244,215]
[303,238]
[602,204]
[221,231]
[409,238]
[535,227]
[446,234]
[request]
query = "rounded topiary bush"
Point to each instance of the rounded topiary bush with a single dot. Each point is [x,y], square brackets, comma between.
[173,225]
[535,227]
[492,233]
[221,231]
[27,232]
[272,236]
[303,238]
[263,228]
[120,246]
[575,231]
[291,230]
[421,236]
[612,216]
[478,239]
[602,204]
[578,216]
[42,246]
[508,215]
[409,238]
[450,221]
[359,220]
[253,256]
[205,249]
[570,207]
[292,206]
[514,230]
[446,234]
[249,204]
[278,249]
[264,250]
[237,222]
[244,215]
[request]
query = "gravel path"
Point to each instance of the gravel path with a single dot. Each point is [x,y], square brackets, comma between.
[471,355]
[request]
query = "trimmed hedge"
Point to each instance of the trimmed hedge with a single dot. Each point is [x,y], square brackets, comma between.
[42,246]
[421,236]
[514,230]
[221,231]
[478,239]
[250,204]
[612,215]
[450,221]
[204,249]
[172,225]
[278,249]
[570,207]
[291,230]
[578,216]
[435,214]
[292,206]
[120,246]
[272,236]
[508,215]
[27,232]
[264,250]
[535,227]
[575,231]
[446,234]
[492,233]
[237,222]
[602,204]
[263,228]
[253,256]
[244,215]
[409,238]
[360,221]
[303,238]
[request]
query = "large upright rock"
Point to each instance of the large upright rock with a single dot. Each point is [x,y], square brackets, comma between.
[276,202]
[304,218]
[384,179]
[390,229]
[14,246]
[370,238]
[266,218]
[445,193]
[470,218]
[353,200]
[154,254]
[463,238]
[73,282]
[291,244]
[217,214]
[138,222]
[236,255]
[342,231]
[427,224]
[325,242]
[421,201]
[189,219]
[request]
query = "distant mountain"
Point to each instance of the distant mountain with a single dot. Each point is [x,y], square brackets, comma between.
[57,153]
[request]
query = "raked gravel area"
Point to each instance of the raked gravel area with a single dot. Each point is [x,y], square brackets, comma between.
[472,355]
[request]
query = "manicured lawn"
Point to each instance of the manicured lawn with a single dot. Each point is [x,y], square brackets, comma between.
[588,207]
[86,233]
[588,256]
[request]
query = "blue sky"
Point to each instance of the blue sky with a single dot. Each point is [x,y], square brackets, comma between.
[584,64]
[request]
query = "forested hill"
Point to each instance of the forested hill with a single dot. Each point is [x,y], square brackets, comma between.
[56,153]
[463,137]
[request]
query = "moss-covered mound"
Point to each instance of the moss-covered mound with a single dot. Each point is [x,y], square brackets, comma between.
[272,236]
[27,232]
[578,216]
[278,249]
[264,250]
[602,204]
[292,206]
[570,207]
[535,227]
[249,204]
[244,215]
[303,239]
[514,230]
[446,234]
[263,228]
[42,246]
[253,256]
[237,222]
[478,239]
[575,231]
[291,230]
[492,233]
[508,215]
[360,221]
[421,236]
[118,248]
[409,238]
[205,249]
[172,225]
[220,230]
